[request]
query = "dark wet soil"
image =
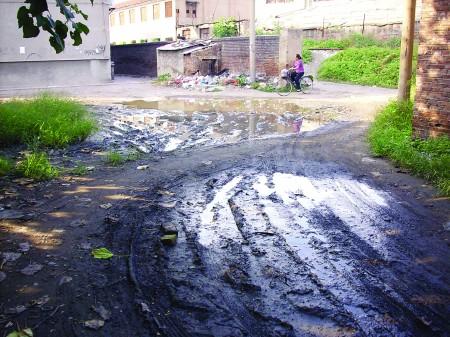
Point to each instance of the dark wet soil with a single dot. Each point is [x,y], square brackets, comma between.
[296,236]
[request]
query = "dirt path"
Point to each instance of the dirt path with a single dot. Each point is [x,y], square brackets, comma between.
[294,236]
[284,236]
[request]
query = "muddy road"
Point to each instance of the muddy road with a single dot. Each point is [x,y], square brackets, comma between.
[299,235]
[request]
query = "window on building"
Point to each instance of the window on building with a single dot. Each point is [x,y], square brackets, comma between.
[278,1]
[143,14]
[191,9]
[204,33]
[122,18]
[132,14]
[156,12]
[168,9]
[187,34]
[112,19]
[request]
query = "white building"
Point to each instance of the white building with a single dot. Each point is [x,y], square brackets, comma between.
[326,13]
[136,21]
[32,62]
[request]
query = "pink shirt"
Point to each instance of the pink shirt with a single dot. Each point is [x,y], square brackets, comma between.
[298,65]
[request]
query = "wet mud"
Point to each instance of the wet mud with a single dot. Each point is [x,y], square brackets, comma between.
[278,233]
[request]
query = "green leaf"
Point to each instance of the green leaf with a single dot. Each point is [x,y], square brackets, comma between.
[56,43]
[61,29]
[22,333]
[102,253]
[37,7]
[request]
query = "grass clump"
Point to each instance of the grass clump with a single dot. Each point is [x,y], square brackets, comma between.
[368,66]
[391,136]
[52,121]
[6,166]
[79,170]
[164,78]
[115,158]
[37,166]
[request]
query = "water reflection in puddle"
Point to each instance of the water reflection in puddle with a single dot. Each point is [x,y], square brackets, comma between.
[166,125]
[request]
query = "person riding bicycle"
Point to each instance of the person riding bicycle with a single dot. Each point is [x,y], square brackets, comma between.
[298,71]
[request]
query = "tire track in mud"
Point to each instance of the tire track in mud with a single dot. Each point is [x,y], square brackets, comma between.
[245,266]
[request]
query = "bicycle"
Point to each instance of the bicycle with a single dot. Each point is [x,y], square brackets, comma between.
[284,89]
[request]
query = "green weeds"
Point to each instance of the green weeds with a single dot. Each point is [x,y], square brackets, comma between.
[115,158]
[164,78]
[48,120]
[390,136]
[37,166]
[6,166]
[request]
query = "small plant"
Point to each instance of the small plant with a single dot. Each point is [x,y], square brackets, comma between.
[133,41]
[255,85]
[5,166]
[143,41]
[79,170]
[37,166]
[225,27]
[156,39]
[241,80]
[115,158]
[163,78]
[102,253]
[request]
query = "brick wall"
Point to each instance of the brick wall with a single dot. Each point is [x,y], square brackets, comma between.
[432,106]
[236,53]
[135,59]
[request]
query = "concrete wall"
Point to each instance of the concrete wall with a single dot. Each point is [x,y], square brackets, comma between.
[432,104]
[162,27]
[136,59]
[198,60]
[27,63]
[313,14]
[170,62]
[235,54]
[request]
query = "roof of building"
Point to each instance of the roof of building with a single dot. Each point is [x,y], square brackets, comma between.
[180,45]
[132,3]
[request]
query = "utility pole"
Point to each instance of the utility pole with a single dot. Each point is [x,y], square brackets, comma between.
[252,42]
[406,50]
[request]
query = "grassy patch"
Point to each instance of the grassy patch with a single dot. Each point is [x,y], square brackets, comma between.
[79,170]
[37,166]
[390,136]
[6,166]
[368,66]
[49,120]
[115,158]
[163,79]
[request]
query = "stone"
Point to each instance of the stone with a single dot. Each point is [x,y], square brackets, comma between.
[169,229]
[31,269]
[143,167]
[24,247]
[102,311]
[94,324]
[106,206]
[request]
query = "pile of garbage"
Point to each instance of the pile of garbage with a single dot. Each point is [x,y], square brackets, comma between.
[214,83]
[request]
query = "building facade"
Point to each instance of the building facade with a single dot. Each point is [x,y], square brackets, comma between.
[138,21]
[33,63]
[310,14]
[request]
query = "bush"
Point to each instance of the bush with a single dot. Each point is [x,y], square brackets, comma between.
[163,78]
[37,166]
[156,39]
[369,66]
[225,27]
[390,136]
[5,166]
[49,120]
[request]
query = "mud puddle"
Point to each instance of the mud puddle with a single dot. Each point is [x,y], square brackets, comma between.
[167,125]
[293,254]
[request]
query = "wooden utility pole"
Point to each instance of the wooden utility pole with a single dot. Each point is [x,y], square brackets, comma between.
[406,50]
[252,42]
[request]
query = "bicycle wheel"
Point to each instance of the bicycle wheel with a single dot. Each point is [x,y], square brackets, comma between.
[306,84]
[284,89]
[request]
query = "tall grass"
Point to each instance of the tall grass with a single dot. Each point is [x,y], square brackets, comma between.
[37,166]
[49,120]
[368,66]
[390,136]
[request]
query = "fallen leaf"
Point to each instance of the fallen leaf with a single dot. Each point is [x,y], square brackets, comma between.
[94,324]
[22,333]
[31,269]
[142,167]
[102,253]
[106,206]
[102,311]
[145,307]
